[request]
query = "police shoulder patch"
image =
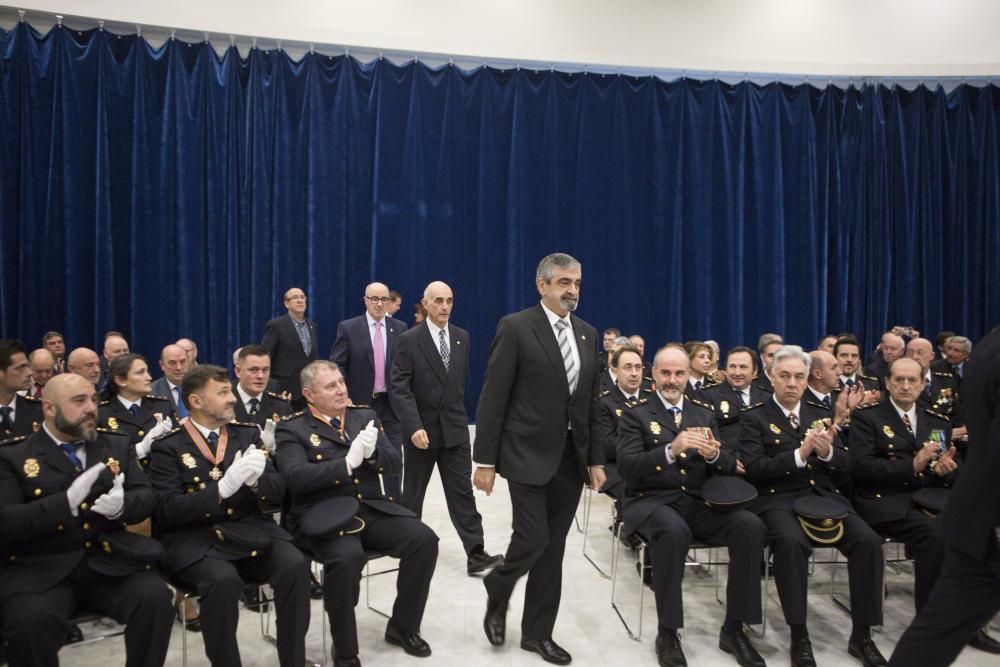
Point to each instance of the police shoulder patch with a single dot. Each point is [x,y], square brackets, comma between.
[276,396]
[752,407]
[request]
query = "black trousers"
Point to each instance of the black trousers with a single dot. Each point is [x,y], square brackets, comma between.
[454,465]
[542,515]
[791,549]
[343,558]
[964,599]
[670,528]
[35,624]
[394,432]
[219,583]
[923,545]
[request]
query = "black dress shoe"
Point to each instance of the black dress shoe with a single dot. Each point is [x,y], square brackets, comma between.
[315,588]
[548,649]
[739,646]
[411,642]
[668,651]
[74,635]
[984,642]
[480,561]
[801,653]
[866,651]
[353,661]
[495,622]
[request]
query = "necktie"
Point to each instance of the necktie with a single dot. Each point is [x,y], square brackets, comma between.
[793,419]
[907,423]
[445,353]
[927,390]
[71,448]
[254,404]
[182,411]
[379,349]
[38,391]
[697,385]
[213,440]
[826,402]
[676,412]
[5,421]
[849,383]
[745,395]
[958,371]
[567,355]
[303,331]
[134,409]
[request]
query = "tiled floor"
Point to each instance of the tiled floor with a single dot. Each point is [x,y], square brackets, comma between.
[587,627]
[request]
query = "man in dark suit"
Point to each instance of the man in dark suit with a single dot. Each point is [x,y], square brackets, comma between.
[427,393]
[729,398]
[668,447]
[364,350]
[291,342]
[967,594]
[791,450]
[212,479]
[19,415]
[54,342]
[174,364]
[535,425]
[336,450]
[940,393]
[63,491]
[956,350]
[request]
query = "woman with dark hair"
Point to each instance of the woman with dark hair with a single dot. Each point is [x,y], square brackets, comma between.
[131,409]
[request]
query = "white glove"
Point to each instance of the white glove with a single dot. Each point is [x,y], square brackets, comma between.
[254,463]
[234,478]
[80,488]
[369,437]
[267,436]
[143,447]
[112,503]
[356,454]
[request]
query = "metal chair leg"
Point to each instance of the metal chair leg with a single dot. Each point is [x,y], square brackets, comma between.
[589,497]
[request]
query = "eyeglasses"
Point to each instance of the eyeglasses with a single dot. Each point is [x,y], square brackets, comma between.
[378,299]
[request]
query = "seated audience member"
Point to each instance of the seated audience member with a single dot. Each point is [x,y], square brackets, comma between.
[628,368]
[730,398]
[190,349]
[64,490]
[956,350]
[717,373]
[19,415]
[54,342]
[131,409]
[174,364]
[890,348]
[791,451]
[608,377]
[212,478]
[43,366]
[767,345]
[85,363]
[826,343]
[255,403]
[701,367]
[115,346]
[333,456]
[608,340]
[668,447]
[419,314]
[940,392]
[847,351]
[941,341]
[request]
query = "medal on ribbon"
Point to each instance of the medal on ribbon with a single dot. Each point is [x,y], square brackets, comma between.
[215,458]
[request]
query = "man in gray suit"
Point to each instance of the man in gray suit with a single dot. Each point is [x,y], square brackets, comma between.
[174,364]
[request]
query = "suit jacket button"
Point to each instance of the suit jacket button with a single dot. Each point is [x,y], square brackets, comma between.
[658,468]
[229,511]
[357,481]
[878,495]
[684,455]
[84,506]
[86,526]
[319,457]
[337,483]
[813,482]
[141,433]
[87,544]
[38,492]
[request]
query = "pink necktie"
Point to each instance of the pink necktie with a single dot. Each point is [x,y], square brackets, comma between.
[379,359]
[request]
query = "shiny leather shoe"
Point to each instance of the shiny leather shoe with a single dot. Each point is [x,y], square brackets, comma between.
[548,649]
[739,646]
[411,642]
[315,588]
[480,561]
[353,661]
[668,651]
[984,642]
[495,622]
[866,651]
[801,653]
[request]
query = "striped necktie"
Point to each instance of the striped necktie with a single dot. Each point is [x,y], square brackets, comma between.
[572,372]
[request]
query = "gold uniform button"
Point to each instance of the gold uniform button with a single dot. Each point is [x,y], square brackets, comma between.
[772,491]
[359,496]
[878,495]
[229,511]
[87,544]
[357,481]
[59,527]
[38,492]
[683,471]
[84,506]
[253,553]
[684,455]
[809,466]
[319,457]
[86,526]
[391,499]
[658,468]
[337,483]
[13,558]
[813,482]
[683,488]
[197,479]
[890,445]
[340,533]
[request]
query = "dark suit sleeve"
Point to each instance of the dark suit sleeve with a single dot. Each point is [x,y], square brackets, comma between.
[635,462]
[501,370]
[175,507]
[20,521]
[270,339]
[607,432]
[341,350]
[305,477]
[401,396]
[140,498]
[759,466]
[597,457]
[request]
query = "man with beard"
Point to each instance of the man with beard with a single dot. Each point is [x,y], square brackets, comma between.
[738,392]
[537,426]
[19,415]
[847,350]
[63,491]
[668,447]
[212,479]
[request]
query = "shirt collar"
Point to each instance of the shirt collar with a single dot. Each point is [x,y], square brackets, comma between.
[127,403]
[371,321]
[13,402]
[845,378]
[553,318]
[911,413]
[45,427]
[244,396]
[680,403]
[818,395]
[627,395]
[202,429]
[435,329]
[784,411]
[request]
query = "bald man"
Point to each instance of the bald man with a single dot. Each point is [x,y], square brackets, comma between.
[63,489]
[174,364]
[43,367]
[890,347]
[940,392]
[364,350]
[84,362]
[191,348]
[291,342]
[429,374]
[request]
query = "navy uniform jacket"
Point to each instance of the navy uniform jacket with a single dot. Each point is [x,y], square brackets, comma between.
[353,353]
[882,452]
[767,447]
[271,404]
[612,407]
[763,383]
[728,406]
[944,397]
[870,383]
[113,415]
[311,455]
[28,417]
[646,428]
[189,503]
[41,542]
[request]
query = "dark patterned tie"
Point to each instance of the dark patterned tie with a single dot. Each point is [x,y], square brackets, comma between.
[826,402]
[6,422]
[445,352]
[793,419]
[572,375]
[907,423]
[254,405]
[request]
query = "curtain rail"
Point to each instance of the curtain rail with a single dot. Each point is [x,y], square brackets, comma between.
[157,35]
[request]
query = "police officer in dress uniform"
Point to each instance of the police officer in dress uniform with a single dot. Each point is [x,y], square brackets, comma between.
[130,407]
[255,404]
[19,415]
[847,351]
[628,366]
[335,450]
[66,492]
[790,451]
[212,479]
[668,446]
[738,392]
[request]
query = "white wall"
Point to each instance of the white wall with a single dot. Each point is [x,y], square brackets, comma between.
[886,38]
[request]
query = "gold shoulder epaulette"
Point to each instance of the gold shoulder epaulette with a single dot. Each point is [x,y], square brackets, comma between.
[604,393]
[867,377]
[277,396]
[358,407]
[292,416]
[751,407]
[815,404]
[172,431]
[235,423]
[13,441]
[935,414]
[158,398]
[701,403]
[31,399]
[867,406]
[941,374]
[646,390]
[112,431]
[103,403]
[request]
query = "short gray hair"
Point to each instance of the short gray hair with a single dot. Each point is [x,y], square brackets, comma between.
[307,378]
[557,260]
[792,352]
[766,340]
[621,340]
[963,341]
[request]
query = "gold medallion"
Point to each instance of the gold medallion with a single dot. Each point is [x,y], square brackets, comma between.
[654,427]
[677,419]
[188,460]
[35,426]
[113,465]
[774,429]
[888,431]
[113,423]
[31,468]
[215,473]
[618,412]
[314,439]
[724,406]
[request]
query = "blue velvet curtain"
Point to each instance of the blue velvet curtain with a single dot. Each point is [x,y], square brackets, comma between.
[168,192]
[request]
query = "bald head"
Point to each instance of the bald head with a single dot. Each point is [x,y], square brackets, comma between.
[905,382]
[671,354]
[66,384]
[69,403]
[376,300]
[670,372]
[921,351]
[114,347]
[824,372]
[84,362]
[438,302]
[43,364]
[905,365]
[191,349]
[174,363]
